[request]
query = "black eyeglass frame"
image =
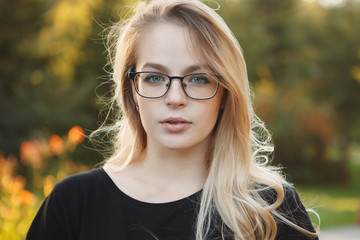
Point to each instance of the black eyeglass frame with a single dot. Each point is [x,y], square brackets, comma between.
[132,76]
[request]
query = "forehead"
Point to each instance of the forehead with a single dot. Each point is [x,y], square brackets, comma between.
[167,44]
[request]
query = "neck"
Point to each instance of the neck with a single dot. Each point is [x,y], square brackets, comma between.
[162,175]
[174,166]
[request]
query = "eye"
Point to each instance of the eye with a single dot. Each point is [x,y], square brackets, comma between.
[154,79]
[199,79]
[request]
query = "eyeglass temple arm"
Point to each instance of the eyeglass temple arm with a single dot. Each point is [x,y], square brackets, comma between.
[131,74]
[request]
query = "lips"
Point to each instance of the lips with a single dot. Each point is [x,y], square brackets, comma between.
[175,124]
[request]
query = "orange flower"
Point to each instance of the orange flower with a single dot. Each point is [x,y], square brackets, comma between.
[17,184]
[76,134]
[30,153]
[56,144]
[7,168]
[27,198]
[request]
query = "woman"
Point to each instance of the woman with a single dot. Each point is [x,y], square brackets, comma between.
[189,159]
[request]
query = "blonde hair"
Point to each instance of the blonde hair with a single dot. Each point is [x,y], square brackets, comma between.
[237,167]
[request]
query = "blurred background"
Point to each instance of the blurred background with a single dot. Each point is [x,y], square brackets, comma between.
[303,60]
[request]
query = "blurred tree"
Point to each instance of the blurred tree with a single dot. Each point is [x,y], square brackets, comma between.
[338,84]
[298,55]
[18,22]
[51,62]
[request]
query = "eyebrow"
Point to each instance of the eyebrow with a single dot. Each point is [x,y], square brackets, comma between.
[165,69]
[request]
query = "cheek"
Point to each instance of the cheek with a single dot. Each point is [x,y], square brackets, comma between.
[147,113]
[217,104]
[210,114]
[215,114]
[214,110]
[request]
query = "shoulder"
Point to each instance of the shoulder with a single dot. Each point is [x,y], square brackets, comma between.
[269,194]
[294,211]
[71,195]
[291,210]
[82,179]
[78,184]
[60,215]
[291,205]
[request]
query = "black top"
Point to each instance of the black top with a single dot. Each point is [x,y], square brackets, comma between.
[89,206]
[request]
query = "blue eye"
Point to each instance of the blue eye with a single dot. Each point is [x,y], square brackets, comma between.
[199,80]
[154,79]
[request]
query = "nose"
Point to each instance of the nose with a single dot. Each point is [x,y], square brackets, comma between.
[176,95]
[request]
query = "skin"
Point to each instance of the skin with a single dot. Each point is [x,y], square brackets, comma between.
[173,165]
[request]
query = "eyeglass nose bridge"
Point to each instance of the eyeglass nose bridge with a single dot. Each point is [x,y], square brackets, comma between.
[183,85]
[171,78]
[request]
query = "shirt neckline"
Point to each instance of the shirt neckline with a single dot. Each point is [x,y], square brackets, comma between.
[191,199]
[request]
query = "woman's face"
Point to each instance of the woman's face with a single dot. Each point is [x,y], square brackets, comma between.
[174,121]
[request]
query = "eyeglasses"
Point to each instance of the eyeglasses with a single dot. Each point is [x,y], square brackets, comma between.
[200,86]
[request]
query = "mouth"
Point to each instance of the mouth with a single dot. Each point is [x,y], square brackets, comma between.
[175,125]
[175,121]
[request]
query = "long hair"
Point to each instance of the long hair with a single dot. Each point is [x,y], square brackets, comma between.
[238,167]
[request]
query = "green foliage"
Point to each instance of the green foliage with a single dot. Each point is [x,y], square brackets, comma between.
[52,63]
[304,65]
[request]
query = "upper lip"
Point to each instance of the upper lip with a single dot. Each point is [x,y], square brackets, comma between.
[175,120]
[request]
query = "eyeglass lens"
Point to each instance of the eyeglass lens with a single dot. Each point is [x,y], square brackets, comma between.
[200,86]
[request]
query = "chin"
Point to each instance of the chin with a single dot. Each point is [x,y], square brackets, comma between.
[180,143]
[176,147]
[180,146]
